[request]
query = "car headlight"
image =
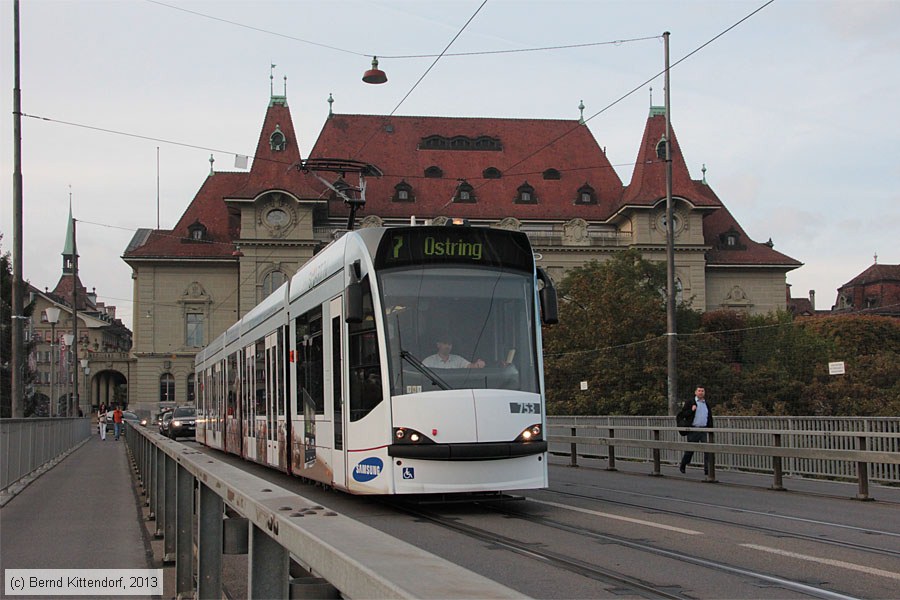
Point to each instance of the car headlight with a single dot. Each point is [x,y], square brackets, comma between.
[176,423]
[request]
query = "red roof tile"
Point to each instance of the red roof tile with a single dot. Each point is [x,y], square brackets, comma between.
[875,274]
[716,228]
[648,182]
[522,150]
[528,147]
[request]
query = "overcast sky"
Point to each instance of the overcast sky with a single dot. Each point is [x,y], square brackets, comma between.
[793,111]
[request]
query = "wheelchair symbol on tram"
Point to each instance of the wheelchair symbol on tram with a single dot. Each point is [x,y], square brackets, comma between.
[409,473]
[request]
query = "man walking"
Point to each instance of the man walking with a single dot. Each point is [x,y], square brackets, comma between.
[117,423]
[702,419]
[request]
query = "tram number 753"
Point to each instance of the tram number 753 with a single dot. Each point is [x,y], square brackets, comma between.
[530,408]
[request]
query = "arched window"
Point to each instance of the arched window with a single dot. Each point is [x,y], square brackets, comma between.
[552,174]
[434,172]
[661,150]
[491,173]
[272,282]
[167,387]
[190,388]
[277,141]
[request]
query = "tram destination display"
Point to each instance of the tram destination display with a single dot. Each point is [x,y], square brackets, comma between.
[405,246]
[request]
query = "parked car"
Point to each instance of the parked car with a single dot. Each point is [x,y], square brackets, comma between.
[164,419]
[183,423]
[127,416]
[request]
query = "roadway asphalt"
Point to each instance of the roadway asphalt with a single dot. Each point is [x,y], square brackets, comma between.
[81,514]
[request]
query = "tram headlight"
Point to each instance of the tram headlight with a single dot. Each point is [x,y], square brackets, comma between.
[404,435]
[532,433]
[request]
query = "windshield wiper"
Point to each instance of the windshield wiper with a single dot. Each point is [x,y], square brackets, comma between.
[421,368]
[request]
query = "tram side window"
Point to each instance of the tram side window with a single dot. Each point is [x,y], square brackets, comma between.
[365,363]
[260,398]
[247,402]
[279,365]
[310,357]
[234,383]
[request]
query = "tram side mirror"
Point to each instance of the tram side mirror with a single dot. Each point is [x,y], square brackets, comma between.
[353,296]
[549,302]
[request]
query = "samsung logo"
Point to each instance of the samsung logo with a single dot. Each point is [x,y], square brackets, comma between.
[368,469]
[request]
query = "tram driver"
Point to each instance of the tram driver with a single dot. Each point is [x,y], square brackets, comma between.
[443,359]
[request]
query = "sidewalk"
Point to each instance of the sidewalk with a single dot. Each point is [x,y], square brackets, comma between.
[81,514]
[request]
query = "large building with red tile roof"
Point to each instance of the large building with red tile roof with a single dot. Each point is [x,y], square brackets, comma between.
[874,291]
[244,233]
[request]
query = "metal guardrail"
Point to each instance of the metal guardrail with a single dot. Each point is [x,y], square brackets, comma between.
[854,450]
[28,446]
[189,491]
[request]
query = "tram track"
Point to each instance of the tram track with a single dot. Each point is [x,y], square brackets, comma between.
[641,587]
[450,516]
[782,533]
[530,550]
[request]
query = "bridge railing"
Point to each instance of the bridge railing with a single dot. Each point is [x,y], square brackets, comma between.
[852,449]
[28,446]
[197,500]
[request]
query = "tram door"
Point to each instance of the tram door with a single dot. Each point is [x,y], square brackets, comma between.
[335,362]
[249,401]
[274,394]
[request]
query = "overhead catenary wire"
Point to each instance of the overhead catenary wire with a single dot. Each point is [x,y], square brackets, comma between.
[509,168]
[381,55]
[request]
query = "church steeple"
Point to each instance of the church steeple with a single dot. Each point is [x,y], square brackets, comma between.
[68,252]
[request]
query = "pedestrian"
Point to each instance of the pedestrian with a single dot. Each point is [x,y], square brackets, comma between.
[101,421]
[697,414]
[117,421]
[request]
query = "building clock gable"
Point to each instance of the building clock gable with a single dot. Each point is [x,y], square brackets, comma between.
[276,215]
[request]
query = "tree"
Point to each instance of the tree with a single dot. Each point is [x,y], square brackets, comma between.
[6,280]
[610,334]
[5,334]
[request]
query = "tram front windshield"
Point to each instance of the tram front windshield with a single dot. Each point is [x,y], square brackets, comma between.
[484,315]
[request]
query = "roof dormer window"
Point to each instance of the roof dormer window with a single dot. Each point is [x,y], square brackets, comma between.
[525,194]
[403,192]
[464,193]
[731,240]
[277,141]
[197,232]
[586,195]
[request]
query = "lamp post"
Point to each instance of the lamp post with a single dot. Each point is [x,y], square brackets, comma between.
[87,390]
[68,338]
[53,319]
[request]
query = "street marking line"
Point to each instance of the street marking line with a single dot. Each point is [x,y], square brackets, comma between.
[619,518]
[827,561]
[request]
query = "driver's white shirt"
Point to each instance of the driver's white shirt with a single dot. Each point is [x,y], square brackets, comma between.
[454,361]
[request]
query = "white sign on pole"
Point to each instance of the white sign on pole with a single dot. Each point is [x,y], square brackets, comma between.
[836,368]
[584,385]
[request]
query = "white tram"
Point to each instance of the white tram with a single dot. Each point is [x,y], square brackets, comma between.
[325,378]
